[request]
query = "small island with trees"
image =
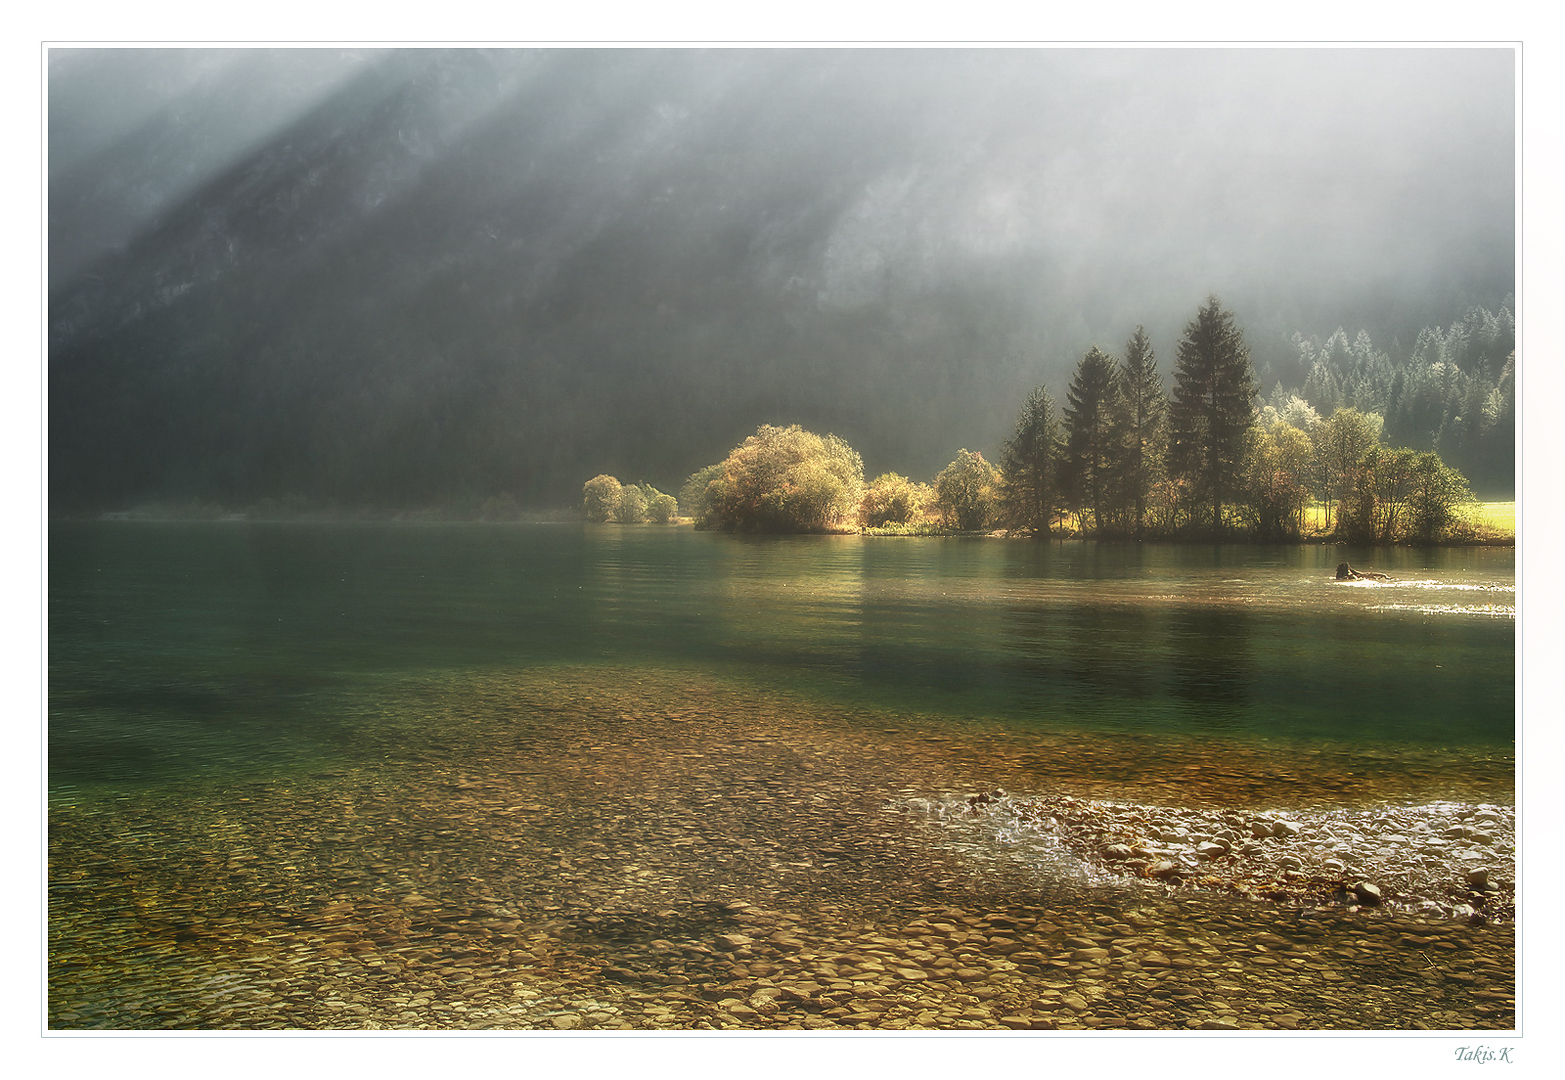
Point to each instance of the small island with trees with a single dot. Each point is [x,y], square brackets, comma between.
[1120,460]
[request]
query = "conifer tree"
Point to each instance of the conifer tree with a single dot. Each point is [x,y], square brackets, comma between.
[1212,407]
[1091,404]
[1142,428]
[1030,467]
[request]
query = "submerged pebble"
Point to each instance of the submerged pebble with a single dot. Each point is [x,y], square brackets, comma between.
[587,851]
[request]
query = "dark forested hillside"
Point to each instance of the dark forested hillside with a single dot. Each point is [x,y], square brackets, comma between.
[1451,390]
[463,273]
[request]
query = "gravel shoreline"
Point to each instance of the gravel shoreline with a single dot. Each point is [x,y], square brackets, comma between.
[1442,859]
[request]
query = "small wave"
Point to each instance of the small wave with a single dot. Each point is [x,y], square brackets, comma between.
[1002,826]
[1443,858]
[1496,611]
[1433,583]
[1457,586]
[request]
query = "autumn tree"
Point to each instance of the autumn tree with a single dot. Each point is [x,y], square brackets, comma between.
[965,491]
[1277,480]
[893,499]
[1403,494]
[784,479]
[632,505]
[1376,511]
[656,506]
[1435,498]
[600,497]
[1342,442]
[694,501]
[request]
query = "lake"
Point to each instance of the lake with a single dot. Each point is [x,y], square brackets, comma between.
[376,775]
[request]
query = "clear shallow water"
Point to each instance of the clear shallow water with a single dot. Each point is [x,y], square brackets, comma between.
[180,648]
[448,776]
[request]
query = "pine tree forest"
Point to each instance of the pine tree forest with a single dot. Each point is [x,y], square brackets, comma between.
[1369,449]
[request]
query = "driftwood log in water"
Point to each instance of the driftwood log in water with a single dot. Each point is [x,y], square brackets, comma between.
[1347,573]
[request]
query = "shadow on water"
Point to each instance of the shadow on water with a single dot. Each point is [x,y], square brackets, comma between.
[1210,669]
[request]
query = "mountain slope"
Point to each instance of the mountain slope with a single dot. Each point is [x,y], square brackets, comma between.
[468,272]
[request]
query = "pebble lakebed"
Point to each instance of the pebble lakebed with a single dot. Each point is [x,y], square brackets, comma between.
[586,849]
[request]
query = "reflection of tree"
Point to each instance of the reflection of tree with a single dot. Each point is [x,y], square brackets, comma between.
[1211,668]
[912,636]
[1035,672]
[1088,654]
[1102,650]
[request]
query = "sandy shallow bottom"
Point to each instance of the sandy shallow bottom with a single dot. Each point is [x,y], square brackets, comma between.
[576,848]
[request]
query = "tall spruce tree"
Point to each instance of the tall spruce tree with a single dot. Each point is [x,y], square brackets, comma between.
[1212,407]
[1091,404]
[1030,467]
[1142,428]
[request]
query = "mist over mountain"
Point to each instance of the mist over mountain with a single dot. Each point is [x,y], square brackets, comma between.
[423,276]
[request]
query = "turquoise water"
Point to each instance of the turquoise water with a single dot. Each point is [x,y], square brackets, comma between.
[179,649]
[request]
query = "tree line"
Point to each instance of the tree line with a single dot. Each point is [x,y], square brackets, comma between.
[1121,458]
[1124,460]
[1453,393]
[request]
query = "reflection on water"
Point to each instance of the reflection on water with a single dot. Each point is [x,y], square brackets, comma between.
[177,646]
[1211,663]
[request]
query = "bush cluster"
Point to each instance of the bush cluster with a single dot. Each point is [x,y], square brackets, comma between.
[781,479]
[893,499]
[605,499]
[787,479]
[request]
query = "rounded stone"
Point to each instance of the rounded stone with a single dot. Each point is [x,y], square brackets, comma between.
[1366,892]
